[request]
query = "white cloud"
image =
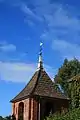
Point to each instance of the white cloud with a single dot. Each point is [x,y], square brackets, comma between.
[16,72]
[19,72]
[5,47]
[28,11]
[56,19]
[56,14]
[9,52]
[61,18]
[66,49]
[61,23]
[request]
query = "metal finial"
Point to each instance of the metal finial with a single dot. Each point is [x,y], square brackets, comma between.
[40,63]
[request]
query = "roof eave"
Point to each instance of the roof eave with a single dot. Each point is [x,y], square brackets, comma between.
[20,99]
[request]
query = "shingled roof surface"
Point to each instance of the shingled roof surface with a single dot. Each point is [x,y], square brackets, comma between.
[45,87]
[28,88]
[41,85]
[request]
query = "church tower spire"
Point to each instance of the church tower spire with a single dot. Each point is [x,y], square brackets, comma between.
[40,61]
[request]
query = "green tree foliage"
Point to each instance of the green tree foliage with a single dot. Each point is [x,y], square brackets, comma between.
[68,70]
[68,78]
[8,117]
[74,88]
[1,118]
[71,115]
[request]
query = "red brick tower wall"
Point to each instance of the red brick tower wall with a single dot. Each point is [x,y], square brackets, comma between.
[34,109]
[30,109]
[26,109]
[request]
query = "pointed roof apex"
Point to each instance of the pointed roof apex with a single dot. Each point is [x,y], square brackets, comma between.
[39,85]
[40,61]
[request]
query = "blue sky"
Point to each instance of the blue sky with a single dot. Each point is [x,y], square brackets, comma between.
[23,23]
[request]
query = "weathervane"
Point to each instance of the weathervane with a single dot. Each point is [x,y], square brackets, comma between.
[40,63]
[41,48]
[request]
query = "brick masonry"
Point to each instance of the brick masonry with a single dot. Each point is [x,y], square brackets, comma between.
[30,109]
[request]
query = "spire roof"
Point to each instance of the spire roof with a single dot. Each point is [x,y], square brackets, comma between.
[39,85]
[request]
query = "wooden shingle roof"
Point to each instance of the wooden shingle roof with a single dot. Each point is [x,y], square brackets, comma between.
[40,85]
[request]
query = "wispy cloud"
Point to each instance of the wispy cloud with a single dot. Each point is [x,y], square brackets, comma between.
[61,24]
[29,13]
[5,47]
[66,49]
[61,18]
[56,19]
[27,10]
[19,72]
[16,72]
[9,52]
